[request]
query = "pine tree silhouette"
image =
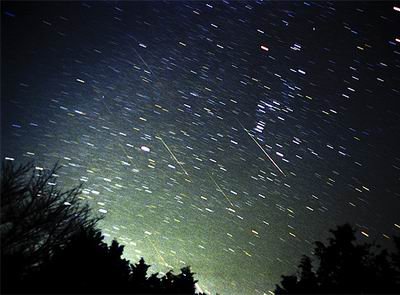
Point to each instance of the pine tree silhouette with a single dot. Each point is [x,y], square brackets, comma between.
[85,265]
[344,267]
[138,280]
[185,281]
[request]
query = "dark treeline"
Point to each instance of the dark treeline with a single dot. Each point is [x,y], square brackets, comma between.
[50,244]
[343,266]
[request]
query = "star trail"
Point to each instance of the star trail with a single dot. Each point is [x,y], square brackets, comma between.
[227,136]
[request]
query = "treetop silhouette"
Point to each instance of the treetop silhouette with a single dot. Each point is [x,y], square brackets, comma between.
[343,266]
[50,243]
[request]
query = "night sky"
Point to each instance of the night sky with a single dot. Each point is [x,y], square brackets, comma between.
[228,136]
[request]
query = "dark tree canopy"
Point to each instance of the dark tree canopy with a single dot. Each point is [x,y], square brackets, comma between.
[345,267]
[36,217]
[35,214]
[50,244]
[89,265]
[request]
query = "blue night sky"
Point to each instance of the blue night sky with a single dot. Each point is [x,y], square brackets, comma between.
[227,136]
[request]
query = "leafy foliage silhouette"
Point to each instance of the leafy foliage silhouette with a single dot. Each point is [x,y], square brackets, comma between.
[345,267]
[50,243]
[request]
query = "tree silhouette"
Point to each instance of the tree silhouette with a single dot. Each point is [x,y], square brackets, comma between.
[140,283]
[86,265]
[185,282]
[345,267]
[307,276]
[50,243]
[182,283]
[36,217]
[138,277]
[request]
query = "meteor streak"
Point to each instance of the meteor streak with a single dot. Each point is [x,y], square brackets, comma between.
[129,158]
[272,161]
[156,249]
[172,154]
[221,190]
[141,58]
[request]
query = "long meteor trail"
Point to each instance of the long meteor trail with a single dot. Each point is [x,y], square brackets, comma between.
[129,158]
[172,154]
[221,190]
[141,58]
[272,161]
